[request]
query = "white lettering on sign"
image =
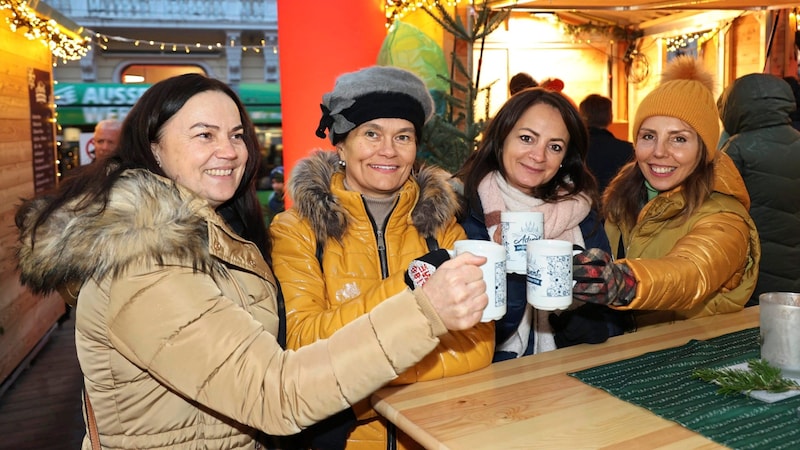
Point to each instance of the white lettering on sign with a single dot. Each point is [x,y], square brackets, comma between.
[112,95]
[96,114]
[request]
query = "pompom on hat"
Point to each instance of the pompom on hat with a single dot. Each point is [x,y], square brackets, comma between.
[686,93]
[376,92]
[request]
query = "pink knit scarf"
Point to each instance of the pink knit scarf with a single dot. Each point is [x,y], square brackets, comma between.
[561,219]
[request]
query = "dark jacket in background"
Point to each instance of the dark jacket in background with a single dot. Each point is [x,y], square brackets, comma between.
[755,110]
[606,155]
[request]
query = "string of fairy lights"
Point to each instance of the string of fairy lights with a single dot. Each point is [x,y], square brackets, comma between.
[102,41]
[73,46]
[676,43]
[62,45]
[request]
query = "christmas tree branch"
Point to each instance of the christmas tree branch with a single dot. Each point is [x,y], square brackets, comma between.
[760,377]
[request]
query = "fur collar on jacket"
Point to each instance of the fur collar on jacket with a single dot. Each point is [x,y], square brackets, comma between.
[147,217]
[310,190]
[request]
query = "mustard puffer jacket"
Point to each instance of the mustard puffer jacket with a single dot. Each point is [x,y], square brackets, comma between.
[703,266]
[320,299]
[176,322]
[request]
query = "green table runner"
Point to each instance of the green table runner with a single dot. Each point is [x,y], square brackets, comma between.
[661,382]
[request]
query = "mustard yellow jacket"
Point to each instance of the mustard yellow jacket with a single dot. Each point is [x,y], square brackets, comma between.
[703,266]
[350,281]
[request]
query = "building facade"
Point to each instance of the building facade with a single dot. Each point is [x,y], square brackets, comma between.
[135,43]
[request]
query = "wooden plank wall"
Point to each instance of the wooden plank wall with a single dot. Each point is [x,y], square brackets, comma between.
[747,36]
[782,54]
[24,318]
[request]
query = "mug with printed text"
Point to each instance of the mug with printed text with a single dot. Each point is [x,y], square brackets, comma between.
[494,274]
[519,228]
[549,274]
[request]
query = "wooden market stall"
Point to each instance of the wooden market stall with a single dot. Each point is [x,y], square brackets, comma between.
[27,167]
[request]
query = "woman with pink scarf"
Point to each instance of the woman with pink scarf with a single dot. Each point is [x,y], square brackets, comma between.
[531,158]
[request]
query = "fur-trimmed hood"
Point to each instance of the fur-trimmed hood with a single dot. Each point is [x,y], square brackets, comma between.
[147,217]
[310,190]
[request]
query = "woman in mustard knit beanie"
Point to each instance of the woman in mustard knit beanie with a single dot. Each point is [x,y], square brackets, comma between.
[677,216]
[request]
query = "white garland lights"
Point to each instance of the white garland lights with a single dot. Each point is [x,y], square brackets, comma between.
[62,45]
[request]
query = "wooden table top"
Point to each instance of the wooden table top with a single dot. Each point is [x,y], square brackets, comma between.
[531,402]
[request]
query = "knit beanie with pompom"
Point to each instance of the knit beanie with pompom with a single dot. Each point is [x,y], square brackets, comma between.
[685,93]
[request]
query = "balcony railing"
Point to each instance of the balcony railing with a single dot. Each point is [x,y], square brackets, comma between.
[208,14]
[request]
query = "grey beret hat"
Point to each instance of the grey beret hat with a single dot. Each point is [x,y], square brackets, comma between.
[370,93]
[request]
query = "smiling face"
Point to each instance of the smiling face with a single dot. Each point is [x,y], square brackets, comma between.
[667,151]
[535,147]
[378,155]
[202,148]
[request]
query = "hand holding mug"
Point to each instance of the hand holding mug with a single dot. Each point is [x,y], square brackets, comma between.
[494,274]
[457,291]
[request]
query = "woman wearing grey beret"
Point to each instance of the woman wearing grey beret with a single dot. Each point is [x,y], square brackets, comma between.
[365,225]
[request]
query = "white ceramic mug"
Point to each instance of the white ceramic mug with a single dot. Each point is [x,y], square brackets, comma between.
[549,276]
[494,274]
[517,229]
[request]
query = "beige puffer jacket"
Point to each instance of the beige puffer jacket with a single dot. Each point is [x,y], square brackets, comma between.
[176,324]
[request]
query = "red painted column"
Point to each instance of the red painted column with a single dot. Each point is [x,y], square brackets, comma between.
[317,41]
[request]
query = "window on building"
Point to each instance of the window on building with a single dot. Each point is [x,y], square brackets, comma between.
[153,73]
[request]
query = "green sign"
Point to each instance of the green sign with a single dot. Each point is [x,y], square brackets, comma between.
[88,103]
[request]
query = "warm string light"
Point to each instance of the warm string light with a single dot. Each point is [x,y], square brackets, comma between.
[397,9]
[678,42]
[102,40]
[48,32]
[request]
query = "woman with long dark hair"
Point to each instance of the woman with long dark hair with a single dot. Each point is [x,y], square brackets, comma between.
[531,158]
[162,247]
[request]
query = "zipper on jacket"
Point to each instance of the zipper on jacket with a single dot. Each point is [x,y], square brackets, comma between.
[380,238]
[382,254]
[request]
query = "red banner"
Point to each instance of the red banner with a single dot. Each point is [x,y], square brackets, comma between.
[319,40]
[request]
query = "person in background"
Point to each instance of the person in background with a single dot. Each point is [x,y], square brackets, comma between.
[359,217]
[794,115]
[178,321]
[756,110]
[106,137]
[607,154]
[684,245]
[531,158]
[519,82]
[275,203]
[553,84]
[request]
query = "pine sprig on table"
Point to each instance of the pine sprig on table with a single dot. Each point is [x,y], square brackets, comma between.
[760,377]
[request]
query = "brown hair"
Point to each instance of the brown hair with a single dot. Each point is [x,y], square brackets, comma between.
[572,177]
[596,110]
[625,196]
[142,126]
[521,81]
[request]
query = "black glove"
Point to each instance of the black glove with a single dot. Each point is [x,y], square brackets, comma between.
[584,324]
[601,280]
[423,267]
[589,323]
